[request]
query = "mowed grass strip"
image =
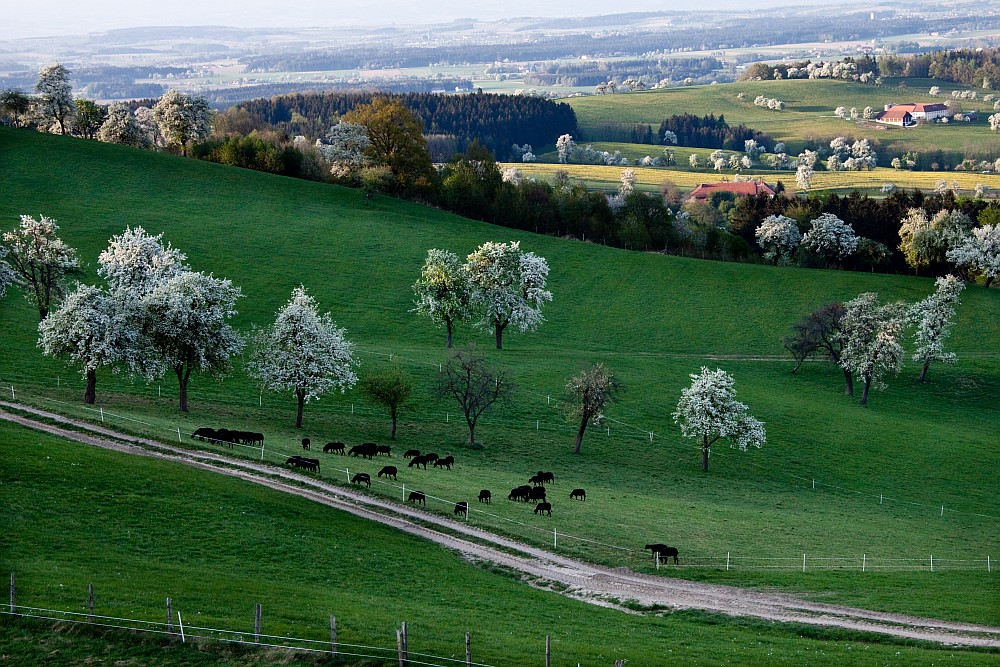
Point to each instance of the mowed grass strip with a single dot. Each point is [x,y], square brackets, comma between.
[652,319]
[141,530]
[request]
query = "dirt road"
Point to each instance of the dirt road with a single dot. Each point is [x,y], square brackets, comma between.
[577,579]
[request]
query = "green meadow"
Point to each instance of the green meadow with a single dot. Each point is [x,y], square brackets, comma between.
[882,473]
[808,115]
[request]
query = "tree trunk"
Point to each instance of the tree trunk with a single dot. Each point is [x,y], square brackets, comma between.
[393,413]
[182,382]
[849,381]
[472,436]
[499,332]
[864,394]
[90,395]
[579,434]
[448,325]
[923,371]
[704,454]
[300,395]
[989,281]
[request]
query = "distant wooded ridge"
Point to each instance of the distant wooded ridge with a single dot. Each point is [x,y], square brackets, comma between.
[496,121]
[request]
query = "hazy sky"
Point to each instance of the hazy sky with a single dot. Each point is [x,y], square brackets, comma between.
[62,17]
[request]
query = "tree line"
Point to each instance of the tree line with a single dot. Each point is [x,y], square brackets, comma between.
[979,68]
[495,121]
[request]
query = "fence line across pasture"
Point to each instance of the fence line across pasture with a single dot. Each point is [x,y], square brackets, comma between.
[501,519]
[389,655]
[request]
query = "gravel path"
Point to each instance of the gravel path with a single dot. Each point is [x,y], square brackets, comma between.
[577,579]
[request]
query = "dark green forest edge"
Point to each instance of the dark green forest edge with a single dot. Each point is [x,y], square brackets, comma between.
[915,442]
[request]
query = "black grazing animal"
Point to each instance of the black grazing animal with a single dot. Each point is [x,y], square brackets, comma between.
[536,493]
[204,432]
[334,447]
[485,496]
[369,450]
[520,493]
[535,479]
[410,453]
[302,462]
[417,497]
[305,444]
[445,462]
[543,508]
[383,449]
[256,438]
[388,471]
[664,551]
[462,508]
[225,436]
[546,477]
[418,461]
[578,493]
[362,478]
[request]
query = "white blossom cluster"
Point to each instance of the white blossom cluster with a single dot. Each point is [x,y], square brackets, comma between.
[979,252]
[303,352]
[871,335]
[708,410]
[121,127]
[779,237]
[344,147]
[39,260]
[830,237]
[933,317]
[851,157]
[510,285]
[444,292]
[54,106]
[769,103]
[182,118]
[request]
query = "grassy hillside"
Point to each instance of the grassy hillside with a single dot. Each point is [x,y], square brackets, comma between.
[807,117]
[652,319]
[222,545]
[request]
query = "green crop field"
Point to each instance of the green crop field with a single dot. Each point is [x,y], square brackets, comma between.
[808,115]
[652,319]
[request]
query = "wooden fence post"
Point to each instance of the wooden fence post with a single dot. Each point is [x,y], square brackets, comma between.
[406,646]
[12,592]
[547,652]
[90,602]
[170,616]
[256,625]
[468,650]
[333,635]
[399,647]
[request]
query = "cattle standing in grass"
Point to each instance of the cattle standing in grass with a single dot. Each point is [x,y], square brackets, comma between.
[485,496]
[418,461]
[536,493]
[445,462]
[417,497]
[578,493]
[535,480]
[305,444]
[388,471]
[362,478]
[462,508]
[204,432]
[543,508]
[410,453]
[383,449]
[369,450]
[546,477]
[431,457]
[334,447]
[520,493]
[302,462]
[664,551]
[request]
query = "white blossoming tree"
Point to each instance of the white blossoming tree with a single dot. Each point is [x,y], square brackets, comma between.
[779,237]
[995,122]
[708,411]
[565,147]
[90,331]
[979,253]
[628,180]
[510,287]
[303,352]
[55,102]
[444,292]
[830,238]
[135,262]
[345,147]
[182,118]
[40,260]
[933,317]
[6,273]
[590,392]
[121,127]
[872,334]
[186,319]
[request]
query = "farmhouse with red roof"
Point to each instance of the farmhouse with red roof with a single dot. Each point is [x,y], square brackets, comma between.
[905,115]
[751,188]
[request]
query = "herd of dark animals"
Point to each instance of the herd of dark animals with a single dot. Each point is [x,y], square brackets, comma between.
[534,491]
[226,437]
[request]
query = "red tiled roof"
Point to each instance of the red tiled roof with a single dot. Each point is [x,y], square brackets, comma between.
[895,113]
[705,190]
[924,108]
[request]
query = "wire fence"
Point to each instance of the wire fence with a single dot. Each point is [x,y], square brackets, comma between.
[473,512]
[177,629]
